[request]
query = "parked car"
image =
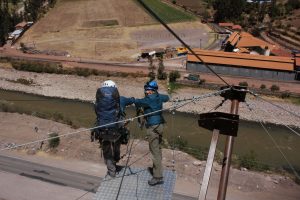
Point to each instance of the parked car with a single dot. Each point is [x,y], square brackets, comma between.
[192,77]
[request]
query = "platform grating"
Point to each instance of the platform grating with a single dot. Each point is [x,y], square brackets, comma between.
[135,186]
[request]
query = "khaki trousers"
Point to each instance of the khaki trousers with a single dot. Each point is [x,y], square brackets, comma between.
[154,137]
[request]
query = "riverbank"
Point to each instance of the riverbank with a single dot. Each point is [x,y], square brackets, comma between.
[84,88]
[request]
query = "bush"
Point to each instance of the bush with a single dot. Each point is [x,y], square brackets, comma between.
[53,142]
[244,83]
[173,76]
[285,94]
[274,88]
[263,86]
[174,2]
[249,161]
[151,75]
[202,81]
[22,81]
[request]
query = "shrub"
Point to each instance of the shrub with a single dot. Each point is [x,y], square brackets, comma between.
[151,75]
[263,86]
[173,76]
[53,142]
[202,81]
[274,88]
[285,94]
[244,83]
[174,2]
[250,161]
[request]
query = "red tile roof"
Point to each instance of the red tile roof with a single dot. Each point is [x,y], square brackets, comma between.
[226,24]
[236,27]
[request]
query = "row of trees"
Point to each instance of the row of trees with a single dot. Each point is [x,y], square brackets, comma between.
[11,13]
[249,14]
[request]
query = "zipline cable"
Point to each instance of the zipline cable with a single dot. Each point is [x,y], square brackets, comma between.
[179,39]
[288,127]
[276,145]
[275,105]
[196,98]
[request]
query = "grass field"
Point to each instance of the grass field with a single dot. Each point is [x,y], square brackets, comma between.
[167,13]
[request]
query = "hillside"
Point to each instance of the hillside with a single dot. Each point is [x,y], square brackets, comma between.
[109,29]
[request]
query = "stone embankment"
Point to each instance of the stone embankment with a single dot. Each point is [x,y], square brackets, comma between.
[74,87]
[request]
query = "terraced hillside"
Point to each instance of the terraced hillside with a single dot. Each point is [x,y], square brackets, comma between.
[110,29]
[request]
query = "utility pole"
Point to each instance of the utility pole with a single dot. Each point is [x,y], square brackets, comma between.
[227,156]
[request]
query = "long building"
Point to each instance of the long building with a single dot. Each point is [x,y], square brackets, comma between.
[247,65]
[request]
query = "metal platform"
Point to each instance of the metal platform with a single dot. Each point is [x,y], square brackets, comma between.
[135,186]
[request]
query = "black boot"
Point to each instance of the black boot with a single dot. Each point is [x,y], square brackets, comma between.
[155,181]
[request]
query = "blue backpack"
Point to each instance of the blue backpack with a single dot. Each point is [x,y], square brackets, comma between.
[107,107]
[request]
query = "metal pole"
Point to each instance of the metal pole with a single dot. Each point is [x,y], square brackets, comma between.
[227,157]
[209,164]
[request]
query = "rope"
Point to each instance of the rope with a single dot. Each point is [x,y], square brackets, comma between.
[276,145]
[275,105]
[196,98]
[270,114]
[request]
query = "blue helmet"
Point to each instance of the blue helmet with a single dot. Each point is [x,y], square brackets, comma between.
[151,85]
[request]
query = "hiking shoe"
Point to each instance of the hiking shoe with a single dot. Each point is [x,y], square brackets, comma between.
[155,181]
[111,174]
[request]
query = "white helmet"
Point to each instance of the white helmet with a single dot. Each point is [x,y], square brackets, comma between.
[109,83]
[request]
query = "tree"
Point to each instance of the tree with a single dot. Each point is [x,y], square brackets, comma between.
[151,68]
[53,140]
[173,76]
[5,21]
[228,9]
[161,74]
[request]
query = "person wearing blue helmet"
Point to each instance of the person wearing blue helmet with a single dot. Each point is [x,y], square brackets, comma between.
[152,105]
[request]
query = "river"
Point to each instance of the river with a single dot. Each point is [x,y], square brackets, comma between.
[251,136]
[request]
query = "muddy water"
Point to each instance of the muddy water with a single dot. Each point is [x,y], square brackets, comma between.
[251,136]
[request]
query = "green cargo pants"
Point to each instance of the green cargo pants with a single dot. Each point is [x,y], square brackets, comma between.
[154,137]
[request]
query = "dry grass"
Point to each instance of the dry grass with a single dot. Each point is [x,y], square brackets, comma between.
[104,29]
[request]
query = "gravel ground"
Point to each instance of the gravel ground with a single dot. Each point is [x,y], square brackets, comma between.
[74,87]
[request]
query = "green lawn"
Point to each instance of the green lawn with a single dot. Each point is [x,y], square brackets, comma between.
[167,13]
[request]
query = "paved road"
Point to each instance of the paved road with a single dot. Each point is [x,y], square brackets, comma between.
[56,175]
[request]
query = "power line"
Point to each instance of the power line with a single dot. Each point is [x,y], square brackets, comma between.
[277,146]
[176,106]
[291,129]
[179,39]
[275,105]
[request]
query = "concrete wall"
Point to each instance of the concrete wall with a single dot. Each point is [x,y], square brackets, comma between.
[242,71]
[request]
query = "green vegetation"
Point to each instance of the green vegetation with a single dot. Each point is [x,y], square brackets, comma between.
[161,74]
[167,13]
[263,86]
[250,161]
[57,68]
[173,76]
[244,83]
[6,106]
[173,86]
[274,88]
[22,81]
[53,140]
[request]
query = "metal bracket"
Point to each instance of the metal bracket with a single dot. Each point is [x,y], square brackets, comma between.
[226,123]
[235,93]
